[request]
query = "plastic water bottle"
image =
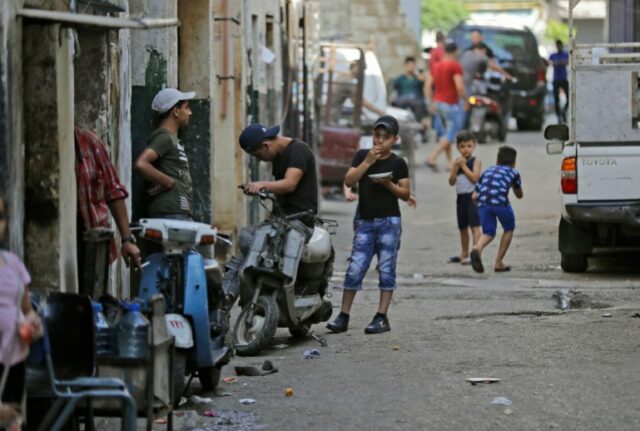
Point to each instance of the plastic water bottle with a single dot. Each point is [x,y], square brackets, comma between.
[132,332]
[105,337]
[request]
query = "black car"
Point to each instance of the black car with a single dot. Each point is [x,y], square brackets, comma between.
[516,50]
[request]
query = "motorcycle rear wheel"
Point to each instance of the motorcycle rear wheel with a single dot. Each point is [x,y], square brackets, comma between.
[251,338]
[209,377]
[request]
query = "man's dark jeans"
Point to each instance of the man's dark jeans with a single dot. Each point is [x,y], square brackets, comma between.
[561,113]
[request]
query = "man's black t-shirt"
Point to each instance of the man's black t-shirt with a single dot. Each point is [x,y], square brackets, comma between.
[375,200]
[305,197]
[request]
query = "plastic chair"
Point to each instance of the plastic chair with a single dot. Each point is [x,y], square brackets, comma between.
[65,367]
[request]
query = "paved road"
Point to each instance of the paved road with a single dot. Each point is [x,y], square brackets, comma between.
[574,370]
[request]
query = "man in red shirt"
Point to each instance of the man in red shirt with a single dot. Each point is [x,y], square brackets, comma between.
[437,53]
[100,192]
[447,98]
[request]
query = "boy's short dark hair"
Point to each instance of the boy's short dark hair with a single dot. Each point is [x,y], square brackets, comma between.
[507,155]
[464,136]
[409,59]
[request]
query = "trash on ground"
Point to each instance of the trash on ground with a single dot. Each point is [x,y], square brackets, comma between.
[160,421]
[247,401]
[183,401]
[210,413]
[247,371]
[501,401]
[563,298]
[322,341]
[508,411]
[311,354]
[267,368]
[636,315]
[487,380]
[418,276]
[200,400]
[607,315]
[288,392]
[230,379]
[281,346]
[396,347]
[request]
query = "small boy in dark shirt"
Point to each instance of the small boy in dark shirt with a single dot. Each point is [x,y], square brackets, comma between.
[492,195]
[383,178]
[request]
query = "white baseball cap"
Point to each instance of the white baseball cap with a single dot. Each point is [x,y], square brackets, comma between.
[167,98]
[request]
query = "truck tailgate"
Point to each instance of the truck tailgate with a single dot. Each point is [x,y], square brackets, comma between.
[608,172]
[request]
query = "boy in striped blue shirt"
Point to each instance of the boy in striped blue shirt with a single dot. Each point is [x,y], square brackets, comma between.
[492,196]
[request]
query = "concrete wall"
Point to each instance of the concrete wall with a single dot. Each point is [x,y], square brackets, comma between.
[50,207]
[381,23]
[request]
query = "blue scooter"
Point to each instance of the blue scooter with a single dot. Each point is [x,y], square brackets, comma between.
[192,287]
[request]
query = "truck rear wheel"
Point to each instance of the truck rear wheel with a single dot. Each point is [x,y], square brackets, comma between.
[573,262]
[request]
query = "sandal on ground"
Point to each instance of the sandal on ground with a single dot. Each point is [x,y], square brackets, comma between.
[476,261]
[432,166]
[503,269]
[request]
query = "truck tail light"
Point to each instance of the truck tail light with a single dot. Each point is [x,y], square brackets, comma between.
[568,176]
[541,76]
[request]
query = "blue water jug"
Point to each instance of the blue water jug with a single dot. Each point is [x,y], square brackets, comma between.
[105,336]
[132,331]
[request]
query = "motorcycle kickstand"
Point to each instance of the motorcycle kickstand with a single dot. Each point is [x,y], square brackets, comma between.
[321,340]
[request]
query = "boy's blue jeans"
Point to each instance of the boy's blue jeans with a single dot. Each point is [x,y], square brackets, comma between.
[380,237]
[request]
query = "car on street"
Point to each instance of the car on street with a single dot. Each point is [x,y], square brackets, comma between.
[515,49]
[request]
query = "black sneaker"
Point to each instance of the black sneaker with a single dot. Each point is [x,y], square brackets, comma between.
[340,323]
[378,325]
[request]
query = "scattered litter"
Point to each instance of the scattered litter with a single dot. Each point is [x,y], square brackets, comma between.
[230,379]
[501,401]
[247,371]
[267,368]
[563,297]
[487,380]
[247,401]
[160,421]
[183,401]
[636,315]
[508,411]
[311,354]
[222,394]
[418,276]
[281,346]
[607,315]
[322,341]
[199,400]
[396,347]
[210,413]
[288,392]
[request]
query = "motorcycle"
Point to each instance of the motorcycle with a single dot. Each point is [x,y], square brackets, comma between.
[489,110]
[283,279]
[192,288]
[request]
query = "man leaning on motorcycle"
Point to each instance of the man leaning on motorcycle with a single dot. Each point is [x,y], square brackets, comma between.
[295,184]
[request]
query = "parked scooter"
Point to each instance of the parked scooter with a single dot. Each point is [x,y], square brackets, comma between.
[283,279]
[192,287]
[489,110]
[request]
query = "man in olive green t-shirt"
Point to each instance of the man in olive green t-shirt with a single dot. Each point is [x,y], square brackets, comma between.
[164,162]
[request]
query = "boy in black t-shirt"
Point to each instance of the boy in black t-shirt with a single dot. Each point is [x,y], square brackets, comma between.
[382,177]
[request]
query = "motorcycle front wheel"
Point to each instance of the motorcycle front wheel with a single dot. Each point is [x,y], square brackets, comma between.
[252,335]
[209,377]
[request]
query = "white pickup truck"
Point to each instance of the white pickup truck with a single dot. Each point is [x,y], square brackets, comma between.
[600,173]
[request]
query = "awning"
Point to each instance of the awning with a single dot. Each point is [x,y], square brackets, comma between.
[79,19]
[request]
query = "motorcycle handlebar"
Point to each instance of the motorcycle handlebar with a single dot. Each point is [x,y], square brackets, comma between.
[263,193]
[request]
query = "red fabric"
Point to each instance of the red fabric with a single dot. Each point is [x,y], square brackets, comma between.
[435,56]
[98,183]
[445,86]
